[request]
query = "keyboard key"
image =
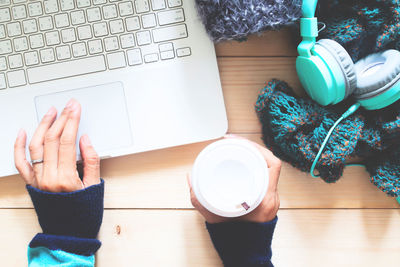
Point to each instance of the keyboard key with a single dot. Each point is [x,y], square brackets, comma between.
[111,43]
[149,21]
[99,2]
[36,41]
[84,32]
[93,14]
[167,55]
[174,3]
[15,61]
[2,32]
[100,29]
[47,55]
[19,1]
[14,29]
[127,40]
[142,6]
[29,26]
[171,16]
[21,44]
[68,35]
[183,52]
[134,57]
[116,60]
[110,12]
[132,24]
[19,12]
[116,26]
[166,47]
[31,58]
[16,78]
[45,23]
[79,49]
[158,4]
[66,69]
[78,17]
[3,63]
[82,3]
[50,6]
[5,47]
[95,47]
[5,15]
[67,5]
[5,2]
[61,20]
[170,33]
[125,8]
[143,38]
[52,38]
[151,58]
[35,9]
[3,83]
[63,52]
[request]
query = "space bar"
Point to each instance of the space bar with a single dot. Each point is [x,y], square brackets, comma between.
[66,69]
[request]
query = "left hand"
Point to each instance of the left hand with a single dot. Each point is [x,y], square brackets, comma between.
[54,143]
[269,206]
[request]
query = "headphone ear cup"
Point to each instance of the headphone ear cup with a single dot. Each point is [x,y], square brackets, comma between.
[377,73]
[345,62]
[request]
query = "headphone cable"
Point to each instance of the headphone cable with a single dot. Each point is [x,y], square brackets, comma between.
[349,112]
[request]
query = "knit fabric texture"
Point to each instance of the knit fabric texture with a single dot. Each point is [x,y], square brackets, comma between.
[294,129]
[362,27]
[236,19]
[243,244]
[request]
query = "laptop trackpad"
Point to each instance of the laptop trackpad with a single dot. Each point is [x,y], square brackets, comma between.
[104,114]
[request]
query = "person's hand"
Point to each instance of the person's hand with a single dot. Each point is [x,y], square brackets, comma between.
[267,209]
[53,152]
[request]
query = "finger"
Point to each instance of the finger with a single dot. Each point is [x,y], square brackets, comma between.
[193,198]
[21,163]
[274,164]
[52,140]
[91,162]
[234,136]
[67,149]
[37,142]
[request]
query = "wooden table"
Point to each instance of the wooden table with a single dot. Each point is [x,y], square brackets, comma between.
[149,220]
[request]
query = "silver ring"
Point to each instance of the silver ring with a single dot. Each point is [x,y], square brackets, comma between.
[36,161]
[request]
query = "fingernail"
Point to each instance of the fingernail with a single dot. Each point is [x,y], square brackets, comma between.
[86,140]
[72,104]
[69,103]
[51,111]
[20,133]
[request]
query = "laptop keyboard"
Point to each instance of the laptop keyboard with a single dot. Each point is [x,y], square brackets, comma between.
[54,39]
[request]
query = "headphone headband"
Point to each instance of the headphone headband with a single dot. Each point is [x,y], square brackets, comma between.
[308,27]
[308,7]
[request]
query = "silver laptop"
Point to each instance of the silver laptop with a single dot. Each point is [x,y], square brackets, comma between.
[144,72]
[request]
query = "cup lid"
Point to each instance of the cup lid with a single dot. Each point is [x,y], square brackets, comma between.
[230,177]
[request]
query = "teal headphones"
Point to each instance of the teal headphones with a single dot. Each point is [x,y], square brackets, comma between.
[329,76]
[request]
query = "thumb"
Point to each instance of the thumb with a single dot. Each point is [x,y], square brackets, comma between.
[193,198]
[91,162]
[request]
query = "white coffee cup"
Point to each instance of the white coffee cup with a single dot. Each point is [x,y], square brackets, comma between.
[230,177]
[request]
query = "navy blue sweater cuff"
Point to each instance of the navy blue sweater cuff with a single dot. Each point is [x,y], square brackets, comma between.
[243,244]
[70,244]
[77,214]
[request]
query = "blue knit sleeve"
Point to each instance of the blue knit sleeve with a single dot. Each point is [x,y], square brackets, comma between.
[243,244]
[70,224]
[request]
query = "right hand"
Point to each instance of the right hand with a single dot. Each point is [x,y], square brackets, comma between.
[54,142]
[268,208]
